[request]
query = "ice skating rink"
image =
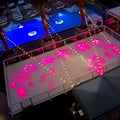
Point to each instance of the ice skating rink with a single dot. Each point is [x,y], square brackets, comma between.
[44,76]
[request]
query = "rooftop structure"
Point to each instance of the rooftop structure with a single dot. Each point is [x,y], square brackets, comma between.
[40,69]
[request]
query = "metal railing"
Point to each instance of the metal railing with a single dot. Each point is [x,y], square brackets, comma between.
[48,47]
[49,94]
[64,88]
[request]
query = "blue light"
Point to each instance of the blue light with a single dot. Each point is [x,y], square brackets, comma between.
[60,14]
[20,26]
[59,22]
[32,33]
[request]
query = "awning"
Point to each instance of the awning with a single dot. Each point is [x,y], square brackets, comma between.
[99,95]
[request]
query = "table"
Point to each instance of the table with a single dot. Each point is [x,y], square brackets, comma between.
[99,95]
[115,13]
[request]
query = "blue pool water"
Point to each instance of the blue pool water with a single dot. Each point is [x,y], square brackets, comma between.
[32,30]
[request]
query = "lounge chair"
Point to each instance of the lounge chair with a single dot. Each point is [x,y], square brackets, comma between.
[32,13]
[11,5]
[15,14]
[21,2]
[3,21]
[27,6]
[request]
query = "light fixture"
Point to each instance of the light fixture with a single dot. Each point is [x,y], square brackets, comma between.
[20,26]
[32,33]
[59,22]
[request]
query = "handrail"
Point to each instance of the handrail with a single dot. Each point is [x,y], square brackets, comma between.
[111,31]
[49,97]
[55,43]
[43,48]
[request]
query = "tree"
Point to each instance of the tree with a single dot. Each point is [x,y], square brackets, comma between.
[40,4]
[2,37]
[82,12]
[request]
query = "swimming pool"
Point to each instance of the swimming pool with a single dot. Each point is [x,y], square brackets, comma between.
[18,34]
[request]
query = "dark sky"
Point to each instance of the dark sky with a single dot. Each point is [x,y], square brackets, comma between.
[111,3]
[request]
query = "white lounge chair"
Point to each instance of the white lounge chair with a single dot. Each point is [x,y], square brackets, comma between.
[3,21]
[27,6]
[21,2]
[10,5]
[32,13]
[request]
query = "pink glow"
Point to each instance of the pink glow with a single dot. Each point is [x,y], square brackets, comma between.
[73,38]
[31,84]
[30,68]
[115,51]
[82,46]
[101,60]
[97,42]
[20,74]
[21,92]
[108,55]
[14,76]
[43,78]
[52,71]
[89,60]
[33,67]
[63,53]
[97,65]
[12,84]
[21,81]
[90,68]
[27,76]
[112,46]
[100,71]
[51,84]
[47,60]
[94,56]
[105,46]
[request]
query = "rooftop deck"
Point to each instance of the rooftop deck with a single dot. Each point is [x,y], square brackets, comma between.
[47,75]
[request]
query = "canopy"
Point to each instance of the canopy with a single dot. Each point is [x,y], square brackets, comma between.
[115,12]
[99,95]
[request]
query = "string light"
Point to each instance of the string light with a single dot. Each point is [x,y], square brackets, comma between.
[76,52]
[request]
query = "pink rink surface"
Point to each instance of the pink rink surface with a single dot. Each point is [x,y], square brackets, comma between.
[66,66]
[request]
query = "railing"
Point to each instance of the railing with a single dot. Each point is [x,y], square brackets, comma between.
[48,47]
[112,32]
[49,94]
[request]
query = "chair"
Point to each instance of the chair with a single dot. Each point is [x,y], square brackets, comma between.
[32,13]
[16,14]
[21,2]
[27,6]
[3,21]
[11,5]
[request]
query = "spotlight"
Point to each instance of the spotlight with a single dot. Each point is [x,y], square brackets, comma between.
[20,26]
[32,33]
[59,22]
[60,14]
